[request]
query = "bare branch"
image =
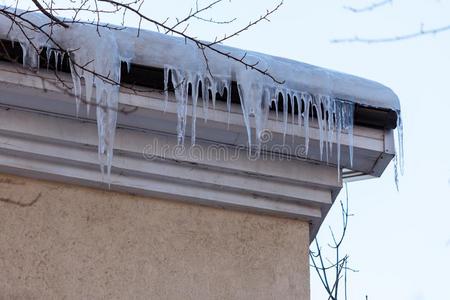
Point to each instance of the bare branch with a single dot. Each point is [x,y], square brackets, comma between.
[206,45]
[419,33]
[250,24]
[336,269]
[215,21]
[370,7]
[49,15]
[193,14]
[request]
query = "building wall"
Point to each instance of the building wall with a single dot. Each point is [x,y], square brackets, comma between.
[65,241]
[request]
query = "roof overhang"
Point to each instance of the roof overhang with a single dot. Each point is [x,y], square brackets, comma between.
[41,136]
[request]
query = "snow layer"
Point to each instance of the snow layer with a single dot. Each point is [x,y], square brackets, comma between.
[156,49]
[97,52]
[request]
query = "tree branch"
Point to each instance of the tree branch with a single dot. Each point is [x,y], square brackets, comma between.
[206,45]
[419,33]
[338,268]
[49,15]
[370,7]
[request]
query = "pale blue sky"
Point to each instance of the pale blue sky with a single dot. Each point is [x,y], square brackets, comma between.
[400,241]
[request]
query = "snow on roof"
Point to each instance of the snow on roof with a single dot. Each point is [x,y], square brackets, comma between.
[157,49]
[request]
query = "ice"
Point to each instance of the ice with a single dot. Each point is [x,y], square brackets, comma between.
[194,87]
[98,62]
[95,56]
[205,97]
[184,81]
[307,100]
[399,157]
[401,154]
[89,83]
[285,114]
[76,78]
[166,85]
[227,84]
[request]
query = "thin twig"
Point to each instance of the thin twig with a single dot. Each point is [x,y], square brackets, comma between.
[420,32]
[49,15]
[370,7]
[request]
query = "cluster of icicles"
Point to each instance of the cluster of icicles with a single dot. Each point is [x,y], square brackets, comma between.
[98,64]
[334,116]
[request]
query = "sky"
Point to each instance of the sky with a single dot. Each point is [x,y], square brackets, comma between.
[398,240]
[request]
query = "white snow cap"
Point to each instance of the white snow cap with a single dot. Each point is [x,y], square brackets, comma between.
[157,49]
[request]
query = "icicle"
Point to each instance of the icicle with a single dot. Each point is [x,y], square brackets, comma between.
[308,102]
[331,123]
[221,85]
[89,82]
[37,59]
[317,104]
[228,87]
[274,101]
[399,156]
[48,55]
[206,83]
[166,86]
[285,115]
[261,115]
[215,91]
[245,113]
[24,53]
[128,63]
[298,101]
[107,98]
[400,142]
[75,72]
[56,58]
[338,134]
[349,124]
[290,97]
[344,122]
[113,102]
[251,93]
[327,104]
[61,59]
[181,93]
[100,112]
[195,88]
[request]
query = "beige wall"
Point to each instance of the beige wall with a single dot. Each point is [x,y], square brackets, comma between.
[63,241]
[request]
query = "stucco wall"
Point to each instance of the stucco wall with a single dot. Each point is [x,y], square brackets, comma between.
[65,241]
